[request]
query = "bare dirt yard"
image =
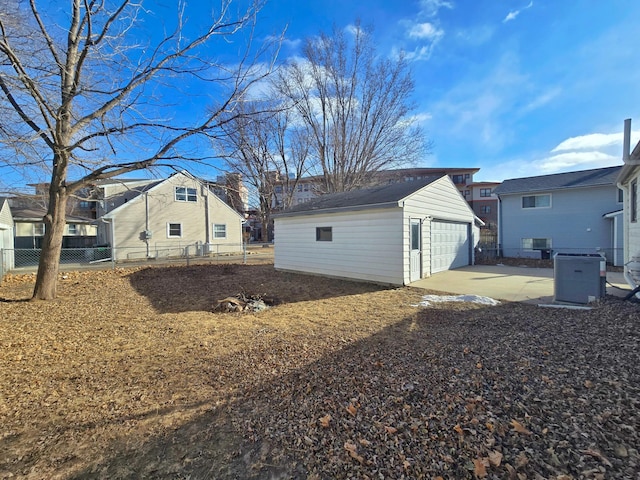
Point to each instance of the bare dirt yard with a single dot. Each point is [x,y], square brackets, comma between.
[130,374]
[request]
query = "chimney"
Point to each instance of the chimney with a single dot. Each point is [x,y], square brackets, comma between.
[626,144]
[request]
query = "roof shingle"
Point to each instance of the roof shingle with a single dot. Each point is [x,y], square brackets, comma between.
[558,181]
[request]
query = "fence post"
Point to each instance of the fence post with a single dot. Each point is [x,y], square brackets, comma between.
[186,253]
[1,264]
[244,253]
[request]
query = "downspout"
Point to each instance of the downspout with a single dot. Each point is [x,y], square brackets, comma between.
[207,238]
[626,155]
[499,236]
[146,221]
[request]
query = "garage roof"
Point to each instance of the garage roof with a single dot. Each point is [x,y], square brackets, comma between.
[381,196]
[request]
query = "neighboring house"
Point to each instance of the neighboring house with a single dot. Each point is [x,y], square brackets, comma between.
[575,212]
[79,232]
[484,203]
[6,237]
[149,219]
[628,180]
[392,234]
[307,187]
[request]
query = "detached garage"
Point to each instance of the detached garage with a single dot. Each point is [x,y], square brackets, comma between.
[392,234]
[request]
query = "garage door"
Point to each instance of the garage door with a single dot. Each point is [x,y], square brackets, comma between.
[449,245]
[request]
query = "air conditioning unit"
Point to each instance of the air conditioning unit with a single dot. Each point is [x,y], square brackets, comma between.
[579,278]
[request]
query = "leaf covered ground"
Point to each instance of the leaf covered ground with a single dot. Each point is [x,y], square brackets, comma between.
[129,374]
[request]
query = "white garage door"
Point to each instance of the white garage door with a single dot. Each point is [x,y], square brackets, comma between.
[449,245]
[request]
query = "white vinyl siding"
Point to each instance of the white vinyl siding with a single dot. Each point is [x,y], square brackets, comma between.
[366,245]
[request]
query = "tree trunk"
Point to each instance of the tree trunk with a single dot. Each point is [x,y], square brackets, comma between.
[54,221]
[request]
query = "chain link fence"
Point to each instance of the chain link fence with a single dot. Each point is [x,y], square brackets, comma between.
[488,253]
[22,260]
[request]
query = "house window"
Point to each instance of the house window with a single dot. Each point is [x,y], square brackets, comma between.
[458,179]
[278,189]
[485,209]
[324,234]
[536,201]
[38,229]
[306,187]
[299,187]
[174,230]
[184,194]
[536,243]
[72,228]
[219,230]
[620,195]
[485,192]
[467,193]
[633,201]
[85,204]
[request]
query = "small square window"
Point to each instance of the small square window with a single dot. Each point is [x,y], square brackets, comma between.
[174,230]
[38,229]
[184,194]
[324,234]
[620,195]
[486,209]
[485,192]
[72,228]
[219,230]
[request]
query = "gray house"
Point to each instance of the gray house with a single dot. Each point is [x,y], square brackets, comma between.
[391,234]
[6,237]
[574,212]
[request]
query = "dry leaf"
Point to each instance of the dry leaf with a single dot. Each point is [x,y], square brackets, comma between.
[352,409]
[458,429]
[598,455]
[495,458]
[352,449]
[489,426]
[390,429]
[479,365]
[521,460]
[588,384]
[364,443]
[466,350]
[518,427]
[479,469]
[324,421]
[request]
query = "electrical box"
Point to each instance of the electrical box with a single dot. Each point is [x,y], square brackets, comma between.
[579,278]
[147,234]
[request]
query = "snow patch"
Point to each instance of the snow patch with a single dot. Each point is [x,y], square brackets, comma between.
[428,299]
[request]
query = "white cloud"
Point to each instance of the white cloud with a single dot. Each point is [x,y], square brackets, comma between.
[475,36]
[425,31]
[591,141]
[570,161]
[430,8]
[512,15]
[542,99]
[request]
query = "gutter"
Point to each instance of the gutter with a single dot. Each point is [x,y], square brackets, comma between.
[353,208]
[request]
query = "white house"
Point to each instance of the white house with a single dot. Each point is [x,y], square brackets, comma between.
[391,234]
[628,180]
[6,237]
[162,218]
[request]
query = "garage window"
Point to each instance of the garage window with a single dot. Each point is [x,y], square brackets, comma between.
[536,201]
[324,234]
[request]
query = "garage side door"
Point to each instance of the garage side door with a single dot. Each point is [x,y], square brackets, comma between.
[449,245]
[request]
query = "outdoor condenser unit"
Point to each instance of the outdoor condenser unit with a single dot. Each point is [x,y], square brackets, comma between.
[579,278]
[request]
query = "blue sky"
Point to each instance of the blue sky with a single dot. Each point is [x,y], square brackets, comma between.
[517,88]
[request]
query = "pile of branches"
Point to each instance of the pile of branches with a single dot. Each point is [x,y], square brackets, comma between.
[244,303]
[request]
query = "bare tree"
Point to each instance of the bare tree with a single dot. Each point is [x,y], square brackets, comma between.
[356,107]
[89,94]
[264,146]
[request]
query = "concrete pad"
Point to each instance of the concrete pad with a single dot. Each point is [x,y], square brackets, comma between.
[513,284]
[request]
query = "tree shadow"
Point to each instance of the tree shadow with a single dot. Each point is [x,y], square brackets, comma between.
[199,287]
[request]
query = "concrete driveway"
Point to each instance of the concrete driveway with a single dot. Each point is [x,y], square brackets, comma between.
[514,284]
